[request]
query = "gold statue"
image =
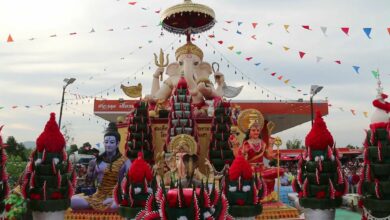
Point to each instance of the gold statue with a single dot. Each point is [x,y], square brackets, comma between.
[183,163]
[160,61]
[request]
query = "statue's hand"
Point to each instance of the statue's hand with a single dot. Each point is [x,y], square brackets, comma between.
[233,139]
[219,78]
[159,71]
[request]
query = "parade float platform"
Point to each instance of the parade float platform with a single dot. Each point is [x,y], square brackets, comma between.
[274,210]
[91,214]
[278,210]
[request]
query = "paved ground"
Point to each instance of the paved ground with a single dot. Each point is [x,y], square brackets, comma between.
[342,214]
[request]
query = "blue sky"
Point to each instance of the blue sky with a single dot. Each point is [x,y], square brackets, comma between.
[31,72]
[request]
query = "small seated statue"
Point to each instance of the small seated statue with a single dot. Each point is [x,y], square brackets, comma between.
[184,163]
[106,170]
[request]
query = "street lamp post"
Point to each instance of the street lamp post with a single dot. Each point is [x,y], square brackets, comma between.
[313,91]
[67,83]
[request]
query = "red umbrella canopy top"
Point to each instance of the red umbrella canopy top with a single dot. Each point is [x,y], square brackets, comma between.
[188,18]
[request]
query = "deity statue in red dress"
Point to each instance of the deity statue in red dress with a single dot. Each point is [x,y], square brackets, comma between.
[256,145]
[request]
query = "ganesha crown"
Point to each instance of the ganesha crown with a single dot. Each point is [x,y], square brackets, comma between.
[189,48]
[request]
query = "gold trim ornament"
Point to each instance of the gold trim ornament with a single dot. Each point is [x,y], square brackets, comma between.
[249,117]
[132,91]
[189,48]
[183,143]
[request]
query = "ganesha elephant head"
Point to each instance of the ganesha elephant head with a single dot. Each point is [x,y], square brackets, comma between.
[189,64]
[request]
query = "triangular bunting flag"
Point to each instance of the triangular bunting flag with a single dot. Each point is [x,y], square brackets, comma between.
[299,90]
[239,23]
[286,81]
[269,42]
[286,48]
[15,106]
[337,61]
[273,74]
[254,25]
[293,87]
[132,3]
[231,47]
[253,37]
[149,41]
[110,29]
[367,31]
[54,35]
[280,77]
[365,114]
[270,24]
[157,11]
[319,59]
[324,29]
[92,31]
[375,73]
[238,52]
[356,68]
[307,27]
[220,42]
[353,112]
[10,40]
[73,33]
[345,30]
[257,64]
[239,32]
[211,36]
[388,30]
[1,107]
[249,58]
[286,26]
[301,54]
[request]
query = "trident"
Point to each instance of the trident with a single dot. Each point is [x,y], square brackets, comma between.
[160,61]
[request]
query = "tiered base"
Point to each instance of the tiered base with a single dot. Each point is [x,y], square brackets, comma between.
[278,210]
[91,214]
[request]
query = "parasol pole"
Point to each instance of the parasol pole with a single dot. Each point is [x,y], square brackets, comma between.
[278,143]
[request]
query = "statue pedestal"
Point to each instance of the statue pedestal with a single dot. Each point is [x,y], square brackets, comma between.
[59,215]
[278,210]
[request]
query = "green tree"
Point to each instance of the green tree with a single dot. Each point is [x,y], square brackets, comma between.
[66,130]
[15,167]
[16,149]
[73,148]
[86,149]
[350,146]
[294,144]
